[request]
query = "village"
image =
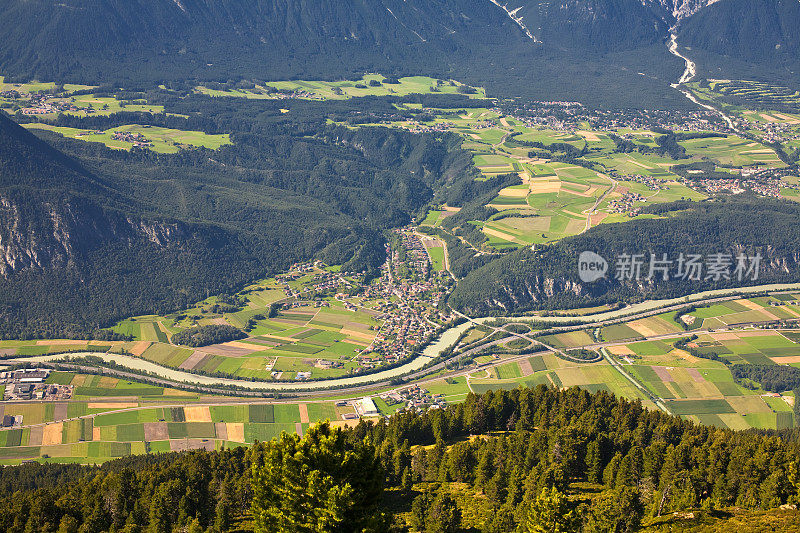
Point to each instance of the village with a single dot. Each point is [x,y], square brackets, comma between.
[415,399]
[405,300]
[135,138]
[410,295]
[766,186]
[44,103]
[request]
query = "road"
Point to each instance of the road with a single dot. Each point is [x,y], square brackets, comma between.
[591,211]
[169,377]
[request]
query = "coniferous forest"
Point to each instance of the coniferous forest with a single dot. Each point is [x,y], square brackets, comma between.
[179,227]
[522,460]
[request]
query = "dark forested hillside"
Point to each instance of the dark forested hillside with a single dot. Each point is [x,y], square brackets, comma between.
[217,39]
[542,459]
[588,50]
[165,231]
[746,38]
[548,277]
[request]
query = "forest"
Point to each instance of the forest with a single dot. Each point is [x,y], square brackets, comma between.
[775,378]
[548,277]
[541,459]
[179,227]
[206,335]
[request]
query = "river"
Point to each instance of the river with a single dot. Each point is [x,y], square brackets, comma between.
[445,340]
[688,75]
[433,350]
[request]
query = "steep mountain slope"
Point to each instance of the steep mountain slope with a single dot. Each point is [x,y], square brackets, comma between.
[100,234]
[678,10]
[601,43]
[742,38]
[53,211]
[145,41]
[548,278]
[207,39]
[66,236]
[593,25]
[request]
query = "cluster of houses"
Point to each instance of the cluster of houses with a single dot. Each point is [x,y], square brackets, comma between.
[408,299]
[484,124]
[133,137]
[322,281]
[763,186]
[626,204]
[45,103]
[415,398]
[404,299]
[419,127]
[654,184]
[296,94]
[700,120]
[772,132]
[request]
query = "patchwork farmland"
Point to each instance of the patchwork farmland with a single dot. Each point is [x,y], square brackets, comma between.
[107,418]
[694,381]
[554,199]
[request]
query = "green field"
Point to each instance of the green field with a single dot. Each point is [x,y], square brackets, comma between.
[437,257]
[292,341]
[121,418]
[340,90]
[163,140]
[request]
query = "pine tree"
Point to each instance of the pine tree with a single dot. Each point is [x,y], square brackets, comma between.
[443,515]
[550,512]
[405,481]
[318,483]
[594,463]
[222,518]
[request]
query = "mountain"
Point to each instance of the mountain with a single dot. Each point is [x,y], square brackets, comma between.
[55,212]
[209,39]
[164,231]
[593,50]
[677,10]
[548,278]
[593,25]
[746,39]
[66,234]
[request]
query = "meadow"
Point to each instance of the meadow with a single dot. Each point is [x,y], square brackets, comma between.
[322,338]
[760,95]
[85,104]
[163,140]
[341,90]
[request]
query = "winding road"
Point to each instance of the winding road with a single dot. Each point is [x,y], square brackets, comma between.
[411,371]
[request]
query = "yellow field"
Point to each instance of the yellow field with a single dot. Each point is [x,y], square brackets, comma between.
[197,414]
[52,434]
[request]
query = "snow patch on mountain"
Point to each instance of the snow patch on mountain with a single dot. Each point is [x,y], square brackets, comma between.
[680,9]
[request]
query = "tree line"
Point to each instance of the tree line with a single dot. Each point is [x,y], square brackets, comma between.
[526,456]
